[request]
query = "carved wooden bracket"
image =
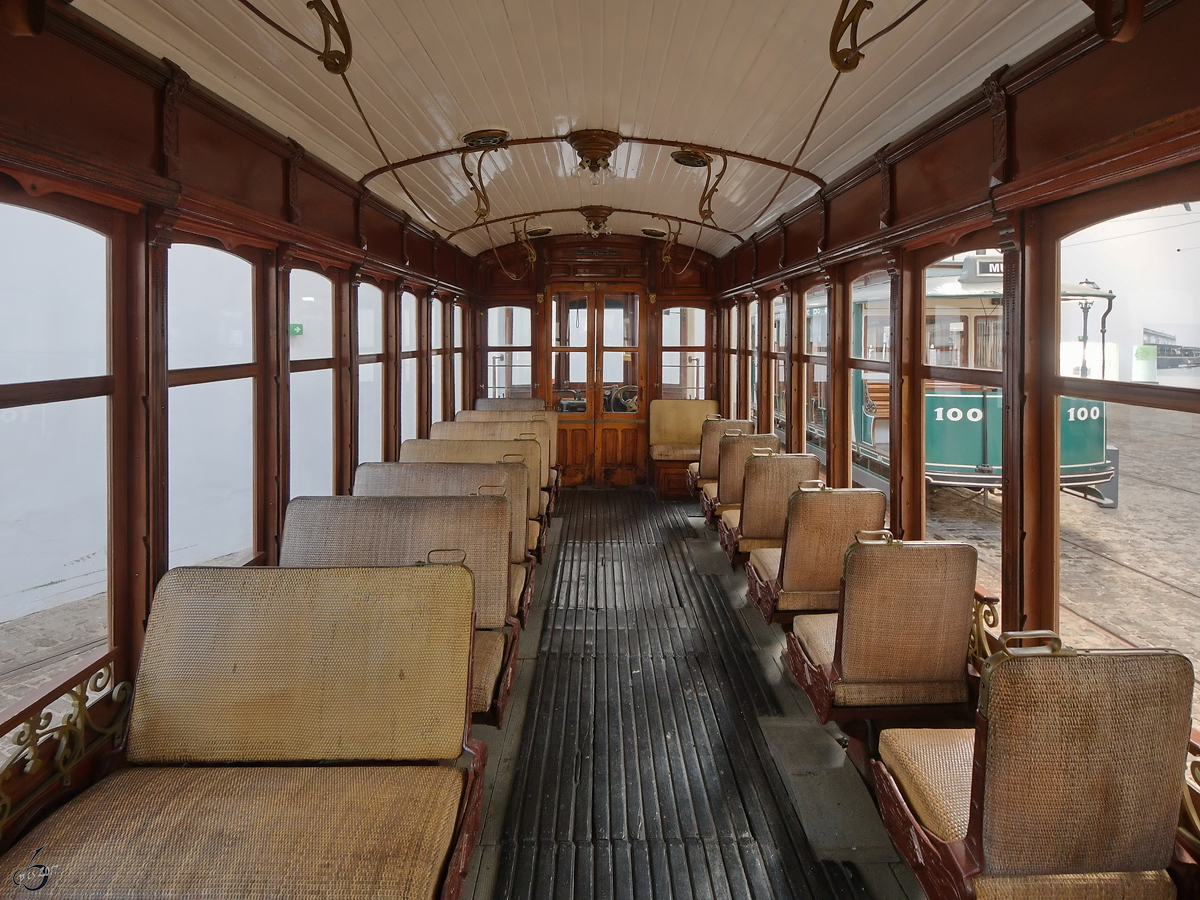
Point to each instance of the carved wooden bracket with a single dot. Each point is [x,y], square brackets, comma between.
[782,243]
[998,101]
[23,18]
[885,188]
[161,225]
[823,238]
[176,88]
[404,241]
[295,158]
[359,233]
[1126,28]
[286,257]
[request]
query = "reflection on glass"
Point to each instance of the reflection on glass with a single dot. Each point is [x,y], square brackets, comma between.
[458,324]
[816,321]
[53,539]
[620,320]
[435,389]
[1123,577]
[458,382]
[509,326]
[408,321]
[871,421]
[752,343]
[1129,308]
[569,319]
[683,375]
[734,327]
[569,381]
[210,308]
[871,304]
[779,368]
[436,311]
[370,412]
[779,327]
[964,310]
[51,327]
[211,479]
[620,381]
[408,399]
[370,319]
[816,413]
[683,326]
[310,315]
[509,373]
[731,366]
[753,384]
[312,433]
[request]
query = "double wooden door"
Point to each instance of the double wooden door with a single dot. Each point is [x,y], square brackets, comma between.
[598,381]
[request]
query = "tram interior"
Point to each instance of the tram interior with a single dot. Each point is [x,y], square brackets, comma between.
[535,449]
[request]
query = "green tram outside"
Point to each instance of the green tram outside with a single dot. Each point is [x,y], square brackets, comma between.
[963,421]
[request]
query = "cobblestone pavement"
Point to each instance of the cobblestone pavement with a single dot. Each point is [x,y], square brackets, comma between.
[40,647]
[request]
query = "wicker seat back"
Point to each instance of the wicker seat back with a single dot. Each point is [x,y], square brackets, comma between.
[821,524]
[259,665]
[509,480]
[516,415]
[906,612]
[529,453]
[501,431]
[509,403]
[769,481]
[735,450]
[403,531]
[679,421]
[1085,755]
[711,432]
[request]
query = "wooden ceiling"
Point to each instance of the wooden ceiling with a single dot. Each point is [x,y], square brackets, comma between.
[745,75]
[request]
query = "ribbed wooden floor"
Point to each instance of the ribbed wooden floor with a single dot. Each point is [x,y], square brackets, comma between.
[643,772]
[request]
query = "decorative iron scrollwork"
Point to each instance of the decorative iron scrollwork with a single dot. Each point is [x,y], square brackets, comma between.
[335,61]
[987,615]
[846,59]
[76,735]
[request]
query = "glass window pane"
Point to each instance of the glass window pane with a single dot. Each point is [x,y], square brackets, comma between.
[408,321]
[51,327]
[816,321]
[436,311]
[211,480]
[370,319]
[53,539]
[435,389]
[683,375]
[871,305]
[779,324]
[312,433]
[1129,307]
[621,320]
[509,373]
[569,381]
[816,413]
[210,308]
[408,399]
[781,401]
[370,412]
[731,366]
[1128,569]
[734,328]
[753,385]
[620,381]
[510,326]
[458,382]
[569,319]
[683,326]
[310,315]
[870,420]
[964,310]
[459,315]
[752,340]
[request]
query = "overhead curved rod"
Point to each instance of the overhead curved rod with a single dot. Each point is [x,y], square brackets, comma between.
[654,142]
[576,209]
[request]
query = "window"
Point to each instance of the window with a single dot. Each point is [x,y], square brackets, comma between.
[437,359]
[752,351]
[311,344]
[815,366]
[684,335]
[870,378]
[509,352]
[409,366]
[459,344]
[964,310]
[733,334]
[777,365]
[54,457]
[370,373]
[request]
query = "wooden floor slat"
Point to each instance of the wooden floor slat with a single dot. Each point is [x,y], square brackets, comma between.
[643,772]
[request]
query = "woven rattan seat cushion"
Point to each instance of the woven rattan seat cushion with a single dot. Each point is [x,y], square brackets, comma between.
[769,482]
[675,452]
[403,531]
[710,489]
[251,832]
[711,432]
[1156,885]
[731,518]
[1085,757]
[747,544]
[431,479]
[817,635]
[694,468]
[932,766]
[543,503]
[516,586]
[528,453]
[554,473]
[259,665]
[487,662]
[899,693]
[533,531]
[702,483]
[766,562]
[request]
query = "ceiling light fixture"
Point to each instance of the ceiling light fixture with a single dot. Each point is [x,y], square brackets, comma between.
[595,148]
[691,157]
[485,138]
[541,231]
[656,233]
[597,220]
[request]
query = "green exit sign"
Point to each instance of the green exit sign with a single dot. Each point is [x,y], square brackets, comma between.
[295,330]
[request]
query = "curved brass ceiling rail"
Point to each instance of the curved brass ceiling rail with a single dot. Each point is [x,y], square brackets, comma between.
[579,209]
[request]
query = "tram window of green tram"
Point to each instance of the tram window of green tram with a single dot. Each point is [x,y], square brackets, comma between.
[964,310]
[871,302]
[1129,305]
